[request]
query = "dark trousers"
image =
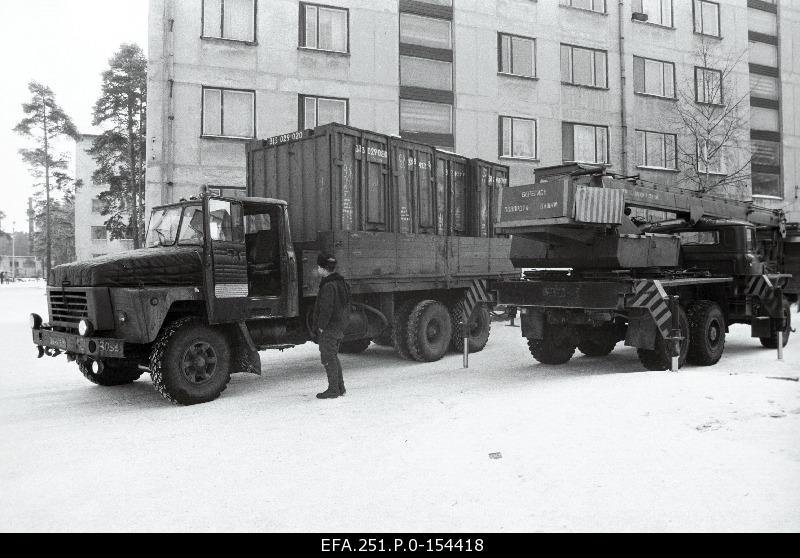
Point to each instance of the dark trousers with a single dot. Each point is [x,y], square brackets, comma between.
[329,355]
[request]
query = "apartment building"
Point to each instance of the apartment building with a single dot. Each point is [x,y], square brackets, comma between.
[91,235]
[528,83]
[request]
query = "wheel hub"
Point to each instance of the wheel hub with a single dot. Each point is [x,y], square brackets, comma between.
[199,362]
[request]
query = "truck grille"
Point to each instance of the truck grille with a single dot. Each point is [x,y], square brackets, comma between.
[67,307]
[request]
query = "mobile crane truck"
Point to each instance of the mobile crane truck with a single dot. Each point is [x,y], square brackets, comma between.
[671,289]
[223,277]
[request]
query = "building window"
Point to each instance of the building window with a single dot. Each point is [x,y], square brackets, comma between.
[234,20]
[518,138]
[767,185]
[99,233]
[318,111]
[426,73]
[584,66]
[710,157]
[421,116]
[708,86]
[764,87]
[324,28]
[228,113]
[766,153]
[706,18]
[659,12]
[592,5]
[516,55]
[585,143]
[98,205]
[657,150]
[426,31]
[653,77]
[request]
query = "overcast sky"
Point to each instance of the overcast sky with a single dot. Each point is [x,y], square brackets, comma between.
[65,44]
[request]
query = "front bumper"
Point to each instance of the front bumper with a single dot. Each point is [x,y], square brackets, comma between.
[97,347]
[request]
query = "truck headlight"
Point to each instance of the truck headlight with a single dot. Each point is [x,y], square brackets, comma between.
[35,321]
[85,328]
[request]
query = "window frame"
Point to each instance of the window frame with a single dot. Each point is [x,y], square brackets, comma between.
[500,142]
[694,18]
[301,109]
[671,15]
[204,37]
[302,28]
[643,148]
[203,133]
[594,66]
[512,36]
[697,87]
[94,228]
[721,157]
[674,95]
[568,4]
[595,126]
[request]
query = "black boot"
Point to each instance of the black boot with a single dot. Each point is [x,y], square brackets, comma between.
[328,394]
[333,382]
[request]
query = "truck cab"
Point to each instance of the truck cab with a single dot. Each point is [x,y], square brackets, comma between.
[722,247]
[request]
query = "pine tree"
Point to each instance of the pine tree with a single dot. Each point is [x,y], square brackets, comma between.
[45,122]
[120,150]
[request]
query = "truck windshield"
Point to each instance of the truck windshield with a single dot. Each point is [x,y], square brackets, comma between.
[166,223]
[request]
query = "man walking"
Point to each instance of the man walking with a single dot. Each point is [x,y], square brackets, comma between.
[331,314]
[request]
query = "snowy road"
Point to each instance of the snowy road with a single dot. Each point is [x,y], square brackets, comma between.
[594,445]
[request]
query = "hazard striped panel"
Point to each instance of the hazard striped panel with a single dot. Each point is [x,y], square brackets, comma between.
[760,286]
[475,295]
[599,205]
[651,295]
[230,291]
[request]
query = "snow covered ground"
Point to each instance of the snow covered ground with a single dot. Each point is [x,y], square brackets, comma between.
[596,445]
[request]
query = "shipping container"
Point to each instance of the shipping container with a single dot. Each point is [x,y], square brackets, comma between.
[334,178]
[338,178]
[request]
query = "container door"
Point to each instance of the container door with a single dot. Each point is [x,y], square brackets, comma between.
[345,169]
[458,197]
[403,175]
[442,176]
[425,198]
[373,180]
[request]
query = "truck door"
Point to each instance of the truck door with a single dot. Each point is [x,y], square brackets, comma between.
[226,288]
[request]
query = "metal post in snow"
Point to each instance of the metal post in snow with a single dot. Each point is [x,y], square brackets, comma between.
[780,344]
[675,344]
[464,328]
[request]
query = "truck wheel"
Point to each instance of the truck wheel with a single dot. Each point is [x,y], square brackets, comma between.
[706,333]
[115,372]
[190,362]
[771,342]
[660,358]
[400,329]
[355,347]
[557,346]
[600,344]
[429,331]
[478,332]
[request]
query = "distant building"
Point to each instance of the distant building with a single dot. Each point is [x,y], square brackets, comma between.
[527,83]
[28,267]
[91,235]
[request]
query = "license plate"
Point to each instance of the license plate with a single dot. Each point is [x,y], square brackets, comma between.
[109,347]
[55,341]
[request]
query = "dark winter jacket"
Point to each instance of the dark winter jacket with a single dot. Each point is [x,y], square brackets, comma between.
[332,310]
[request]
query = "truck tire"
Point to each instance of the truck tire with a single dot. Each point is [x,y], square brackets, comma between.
[400,329]
[771,342]
[478,333]
[706,333]
[557,346]
[660,358]
[355,347]
[190,362]
[115,373]
[601,345]
[430,331]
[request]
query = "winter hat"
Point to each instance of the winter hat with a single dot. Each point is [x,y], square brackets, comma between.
[326,261]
